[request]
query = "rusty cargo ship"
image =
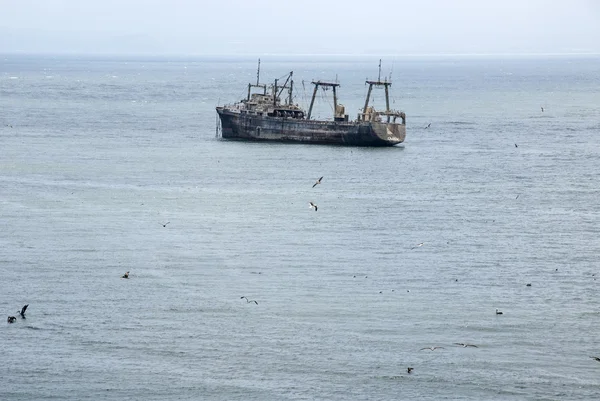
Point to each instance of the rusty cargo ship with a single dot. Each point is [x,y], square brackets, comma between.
[265,116]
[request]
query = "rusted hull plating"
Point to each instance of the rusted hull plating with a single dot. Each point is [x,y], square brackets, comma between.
[253,127]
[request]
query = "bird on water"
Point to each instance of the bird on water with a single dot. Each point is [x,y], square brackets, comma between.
[11,319]
[249,300]
[22,312]
[409,370]
[465,345]
[126,275]
[318,182]
[499,312]
[312,205]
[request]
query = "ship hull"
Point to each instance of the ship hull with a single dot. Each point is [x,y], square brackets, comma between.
[253,127]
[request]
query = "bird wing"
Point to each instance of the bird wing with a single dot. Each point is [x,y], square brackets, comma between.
[316,208]
[24,309]
[315,184]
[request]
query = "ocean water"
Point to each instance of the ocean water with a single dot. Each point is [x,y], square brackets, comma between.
[96,154]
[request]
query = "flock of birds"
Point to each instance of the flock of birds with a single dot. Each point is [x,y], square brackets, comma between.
[312,205]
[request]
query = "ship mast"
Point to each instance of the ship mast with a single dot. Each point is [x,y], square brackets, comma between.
[258,84]
[291,89]
[314,95]
[285,85]
[386,84]
[258,71]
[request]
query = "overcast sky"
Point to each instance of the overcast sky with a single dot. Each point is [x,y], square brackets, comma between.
[251,27]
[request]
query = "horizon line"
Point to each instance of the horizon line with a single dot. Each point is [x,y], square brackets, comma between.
[270,54]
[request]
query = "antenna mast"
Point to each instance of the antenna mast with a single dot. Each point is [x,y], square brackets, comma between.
[379,75]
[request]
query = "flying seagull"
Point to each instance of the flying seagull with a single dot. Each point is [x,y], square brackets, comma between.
[23,309]
[313,205]
[428,125]
[165,224]
[542,109]
[418,245]
[516,146]
[11,319]
[464,345]
[431,348]
[409,370]
[318,182]
[499,312]
[593,357]
[248,300]
[126,275]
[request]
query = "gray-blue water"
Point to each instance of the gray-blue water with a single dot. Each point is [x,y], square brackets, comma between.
[102,152]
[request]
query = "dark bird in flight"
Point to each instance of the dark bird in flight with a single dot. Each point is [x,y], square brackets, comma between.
[464,345]
[542,109]
[409,370]
[165,224]
[431,348]
[318,182]
[126,275]
[11,319]
[499,312]
[248,300]
[23,309]
[428,125]
[516,146]
[528,284]
[313,205]
[596,358]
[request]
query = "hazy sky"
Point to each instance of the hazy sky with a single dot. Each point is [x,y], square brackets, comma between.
[302,26]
